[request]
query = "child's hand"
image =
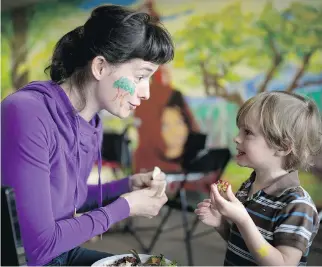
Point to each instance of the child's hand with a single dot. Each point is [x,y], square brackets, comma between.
[231,208]
[208,213]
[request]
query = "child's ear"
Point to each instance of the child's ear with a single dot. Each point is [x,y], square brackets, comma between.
[283,152]
[284,149]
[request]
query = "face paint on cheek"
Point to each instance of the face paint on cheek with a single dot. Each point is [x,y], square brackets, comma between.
[125,84]
[117,94]
[122,96]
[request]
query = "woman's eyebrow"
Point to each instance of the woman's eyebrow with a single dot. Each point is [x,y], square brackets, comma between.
[147,69]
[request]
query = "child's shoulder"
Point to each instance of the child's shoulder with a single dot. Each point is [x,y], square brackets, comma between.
[297,195]
[298,203]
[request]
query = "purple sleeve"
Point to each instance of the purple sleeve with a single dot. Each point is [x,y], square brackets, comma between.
[110,190]
[25,167]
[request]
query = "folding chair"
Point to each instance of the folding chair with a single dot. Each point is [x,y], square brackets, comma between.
[212,163]
[116,153]
[12,251]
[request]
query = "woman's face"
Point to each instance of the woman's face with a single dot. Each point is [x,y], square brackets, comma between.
[174,131]
[121,89]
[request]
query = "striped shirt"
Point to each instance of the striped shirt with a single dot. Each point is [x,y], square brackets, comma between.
[284,214]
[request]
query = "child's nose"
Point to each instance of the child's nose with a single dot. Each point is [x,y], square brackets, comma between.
[237,139]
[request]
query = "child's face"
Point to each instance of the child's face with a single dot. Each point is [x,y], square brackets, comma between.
[253,150]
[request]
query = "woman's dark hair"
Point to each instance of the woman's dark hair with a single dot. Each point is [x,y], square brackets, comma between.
[114,32]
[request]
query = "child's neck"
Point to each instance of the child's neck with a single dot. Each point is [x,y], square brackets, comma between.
[265,178]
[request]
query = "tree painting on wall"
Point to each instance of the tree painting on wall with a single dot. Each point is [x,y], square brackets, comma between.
[228,47]
[29,34]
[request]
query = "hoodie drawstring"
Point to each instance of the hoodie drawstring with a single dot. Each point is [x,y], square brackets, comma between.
[78,164]
[99,165]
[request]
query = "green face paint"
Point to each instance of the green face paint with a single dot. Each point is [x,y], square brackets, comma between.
[125,84]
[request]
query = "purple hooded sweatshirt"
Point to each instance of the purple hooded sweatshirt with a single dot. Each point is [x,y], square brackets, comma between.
[48,152]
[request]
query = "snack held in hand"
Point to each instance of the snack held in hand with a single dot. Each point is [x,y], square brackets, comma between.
[222,187]
[161,189]
[156,172]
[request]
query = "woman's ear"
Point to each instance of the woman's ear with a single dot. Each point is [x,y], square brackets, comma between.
[99,67]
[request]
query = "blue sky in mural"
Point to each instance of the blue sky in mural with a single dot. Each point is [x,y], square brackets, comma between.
[89,4]
[250,87]
[280,82]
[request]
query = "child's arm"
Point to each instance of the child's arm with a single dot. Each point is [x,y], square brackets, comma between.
[224,229]
[264,253]
[295,225]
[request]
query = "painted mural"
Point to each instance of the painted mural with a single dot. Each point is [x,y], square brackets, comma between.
[226,52]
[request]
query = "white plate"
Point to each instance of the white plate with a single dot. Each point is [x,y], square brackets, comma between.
[111,260]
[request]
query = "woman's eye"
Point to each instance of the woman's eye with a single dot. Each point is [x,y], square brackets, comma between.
[140,78]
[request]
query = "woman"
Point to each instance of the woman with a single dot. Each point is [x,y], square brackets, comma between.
[167,123]
[51,135]
[176,124]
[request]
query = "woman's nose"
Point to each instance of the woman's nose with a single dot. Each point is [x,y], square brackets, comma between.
[144,92]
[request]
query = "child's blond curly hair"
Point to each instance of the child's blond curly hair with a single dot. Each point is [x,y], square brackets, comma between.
[289,122]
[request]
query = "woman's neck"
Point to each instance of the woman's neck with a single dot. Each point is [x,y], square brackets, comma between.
[89,110]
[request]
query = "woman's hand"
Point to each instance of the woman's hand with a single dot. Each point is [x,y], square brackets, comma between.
[145,202]
[155,180]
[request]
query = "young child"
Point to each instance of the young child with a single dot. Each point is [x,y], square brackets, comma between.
[272,220]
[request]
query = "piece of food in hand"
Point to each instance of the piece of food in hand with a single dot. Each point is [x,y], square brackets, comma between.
[161,189]
[156,172]
[222,187]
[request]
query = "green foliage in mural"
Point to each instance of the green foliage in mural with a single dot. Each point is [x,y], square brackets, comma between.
[234,45]
[29,35]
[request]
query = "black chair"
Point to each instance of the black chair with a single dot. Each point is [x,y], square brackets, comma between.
[185,200]
[116,149]
[12,251]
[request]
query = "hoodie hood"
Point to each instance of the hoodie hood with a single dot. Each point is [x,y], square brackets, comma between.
[86,135]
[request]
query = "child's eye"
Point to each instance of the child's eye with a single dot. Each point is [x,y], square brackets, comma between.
[248,132]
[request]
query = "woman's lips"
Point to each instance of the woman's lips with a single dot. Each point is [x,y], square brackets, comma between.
[132,106]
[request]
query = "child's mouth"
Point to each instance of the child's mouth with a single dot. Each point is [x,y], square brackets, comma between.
[240,153]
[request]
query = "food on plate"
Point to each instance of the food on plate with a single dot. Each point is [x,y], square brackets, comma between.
[125,261]
[136,261]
